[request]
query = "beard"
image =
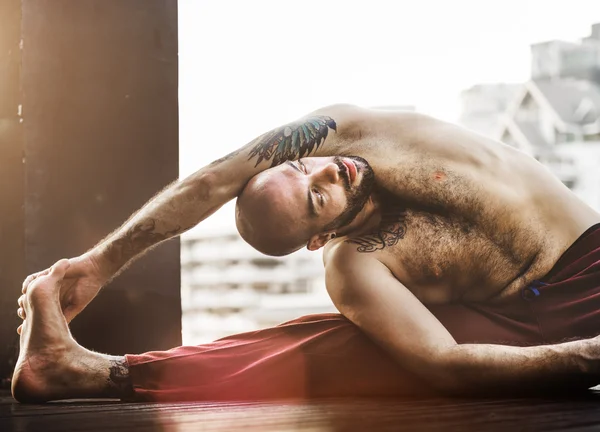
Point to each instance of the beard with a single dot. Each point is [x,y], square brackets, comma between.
[358,197]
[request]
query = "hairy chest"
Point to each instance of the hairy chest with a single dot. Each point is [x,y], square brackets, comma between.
[445,258]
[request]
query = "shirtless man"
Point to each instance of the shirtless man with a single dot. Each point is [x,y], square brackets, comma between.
[455,219]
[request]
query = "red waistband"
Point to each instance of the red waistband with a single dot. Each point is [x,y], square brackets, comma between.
[583,250]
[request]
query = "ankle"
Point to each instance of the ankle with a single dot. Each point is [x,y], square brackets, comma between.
[104,376]
[119,381]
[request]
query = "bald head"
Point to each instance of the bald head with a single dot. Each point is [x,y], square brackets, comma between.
[302,202]
[265,219]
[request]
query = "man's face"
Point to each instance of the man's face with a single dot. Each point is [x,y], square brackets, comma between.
[327,192]
[302,202]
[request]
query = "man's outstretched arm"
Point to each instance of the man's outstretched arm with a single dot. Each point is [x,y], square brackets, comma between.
[368,294]
[187,202]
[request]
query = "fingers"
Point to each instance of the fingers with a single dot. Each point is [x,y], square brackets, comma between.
[27,281]
[20,329]
[21,310]
[33,277]
[58,271]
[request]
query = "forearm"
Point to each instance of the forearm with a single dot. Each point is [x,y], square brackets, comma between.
[174,210]
[186,203]
[474,368]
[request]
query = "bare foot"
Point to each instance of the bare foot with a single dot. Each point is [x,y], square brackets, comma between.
[50,361]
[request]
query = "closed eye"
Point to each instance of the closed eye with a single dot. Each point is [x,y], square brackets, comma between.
[303,166]
[320,196]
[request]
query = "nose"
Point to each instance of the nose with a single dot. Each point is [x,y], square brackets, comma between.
[329,173]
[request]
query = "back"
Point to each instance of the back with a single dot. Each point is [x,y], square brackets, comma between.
[470,218]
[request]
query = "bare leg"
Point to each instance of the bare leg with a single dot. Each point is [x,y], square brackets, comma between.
[51,364]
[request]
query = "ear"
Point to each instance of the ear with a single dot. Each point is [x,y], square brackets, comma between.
[317,241]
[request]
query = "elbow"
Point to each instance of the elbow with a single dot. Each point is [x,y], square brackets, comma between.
[442,381]
[200,186]
[440,373]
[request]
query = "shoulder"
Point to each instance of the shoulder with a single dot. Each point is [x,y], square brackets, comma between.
[355,123]
[363,249]
[348,119]
[346,268]
[342,110]
[340,253]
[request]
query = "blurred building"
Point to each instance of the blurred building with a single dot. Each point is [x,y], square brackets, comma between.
[561,59]
[555,117]
[483,105]
[228,287]
[558,122]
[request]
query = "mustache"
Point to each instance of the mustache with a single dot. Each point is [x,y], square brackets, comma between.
[343,172]
[357,197]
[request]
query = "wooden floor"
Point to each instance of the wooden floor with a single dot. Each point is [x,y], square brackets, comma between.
[360,415]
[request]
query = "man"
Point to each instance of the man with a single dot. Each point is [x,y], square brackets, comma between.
[456,236]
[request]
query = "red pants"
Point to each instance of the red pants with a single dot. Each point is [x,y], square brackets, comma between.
[327,356]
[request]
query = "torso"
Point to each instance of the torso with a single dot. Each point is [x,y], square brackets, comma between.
[471,219]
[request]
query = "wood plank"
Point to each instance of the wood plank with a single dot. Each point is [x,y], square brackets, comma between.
[326,415]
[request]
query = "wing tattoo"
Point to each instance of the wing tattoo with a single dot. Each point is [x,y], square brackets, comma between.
[293,140]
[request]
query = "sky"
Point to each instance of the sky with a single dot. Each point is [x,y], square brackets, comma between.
[248,66]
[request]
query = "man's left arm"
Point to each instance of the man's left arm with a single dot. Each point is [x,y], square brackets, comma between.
[368,294]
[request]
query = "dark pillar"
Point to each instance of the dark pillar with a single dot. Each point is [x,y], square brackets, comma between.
[100,138]
[12,249]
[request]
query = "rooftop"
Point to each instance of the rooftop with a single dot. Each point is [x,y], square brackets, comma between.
[567,95]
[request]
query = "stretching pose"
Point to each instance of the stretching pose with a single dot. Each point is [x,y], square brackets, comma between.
[459,265]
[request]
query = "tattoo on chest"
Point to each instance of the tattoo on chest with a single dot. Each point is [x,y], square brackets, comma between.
[294,140]
[391,230]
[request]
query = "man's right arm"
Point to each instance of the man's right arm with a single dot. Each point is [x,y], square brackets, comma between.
[187,202]
[368,294]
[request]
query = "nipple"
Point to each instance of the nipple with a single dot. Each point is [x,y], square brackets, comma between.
[440,176]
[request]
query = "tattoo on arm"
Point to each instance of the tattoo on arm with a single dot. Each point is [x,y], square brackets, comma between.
[391,229]
[119,380]
[137,239]
[225,158]
[292,141]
